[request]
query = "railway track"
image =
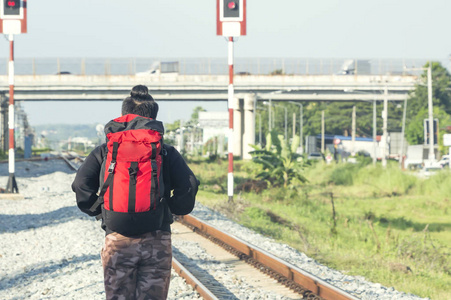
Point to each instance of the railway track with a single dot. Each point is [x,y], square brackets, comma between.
[302,283]
[306,285]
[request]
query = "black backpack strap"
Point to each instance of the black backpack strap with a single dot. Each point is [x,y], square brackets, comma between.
[154,180]
[166,175]
[109,179]
[133,172]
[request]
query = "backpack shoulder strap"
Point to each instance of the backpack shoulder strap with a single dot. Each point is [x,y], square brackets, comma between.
[109,179]
[166,175]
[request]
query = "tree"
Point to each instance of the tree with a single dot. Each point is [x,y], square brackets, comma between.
[281,164]
[417,103]
[195,114]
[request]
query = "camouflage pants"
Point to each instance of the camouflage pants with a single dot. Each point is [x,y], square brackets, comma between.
[137,267]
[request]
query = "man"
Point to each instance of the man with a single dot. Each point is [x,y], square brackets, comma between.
[136,259]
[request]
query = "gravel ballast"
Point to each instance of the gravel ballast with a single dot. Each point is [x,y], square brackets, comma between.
[50,250]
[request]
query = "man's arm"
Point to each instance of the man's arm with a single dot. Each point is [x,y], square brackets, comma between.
[86,183]
[184,184]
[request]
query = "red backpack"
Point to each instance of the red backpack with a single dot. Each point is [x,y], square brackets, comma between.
[132,194]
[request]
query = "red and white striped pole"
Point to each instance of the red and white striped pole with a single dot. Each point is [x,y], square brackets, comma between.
[11,186]
[230,105]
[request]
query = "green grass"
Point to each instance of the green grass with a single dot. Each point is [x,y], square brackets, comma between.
[390,226]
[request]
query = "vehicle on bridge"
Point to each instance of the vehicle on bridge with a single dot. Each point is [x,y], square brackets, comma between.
[159,67]
[354,67]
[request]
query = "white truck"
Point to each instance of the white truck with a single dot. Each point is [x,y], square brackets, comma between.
[415,157]
[161,67]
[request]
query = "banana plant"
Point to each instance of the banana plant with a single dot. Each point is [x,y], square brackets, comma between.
[281,164]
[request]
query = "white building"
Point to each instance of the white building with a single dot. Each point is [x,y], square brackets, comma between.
[214,124]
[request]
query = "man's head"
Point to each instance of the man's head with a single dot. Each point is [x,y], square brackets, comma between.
[140,103]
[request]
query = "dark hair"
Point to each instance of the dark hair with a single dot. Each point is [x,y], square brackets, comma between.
[140,103]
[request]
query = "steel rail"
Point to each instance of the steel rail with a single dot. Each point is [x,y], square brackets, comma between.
[192,280]
[68,162]
[285,269]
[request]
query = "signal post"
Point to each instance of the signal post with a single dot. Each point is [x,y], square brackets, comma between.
[231,22]
[13,20]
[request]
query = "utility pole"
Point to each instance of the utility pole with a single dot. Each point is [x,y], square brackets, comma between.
[353,131]
[401,151]
[301,122]
[286,120]
[260,129]
[322,132]
[374,134]
[431,116]
[286,124]
[181,141]
[385,134]
[269,116]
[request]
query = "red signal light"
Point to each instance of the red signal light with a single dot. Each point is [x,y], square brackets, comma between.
[232,5]
[11,3]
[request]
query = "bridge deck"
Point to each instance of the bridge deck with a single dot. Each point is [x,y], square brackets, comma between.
[210,88]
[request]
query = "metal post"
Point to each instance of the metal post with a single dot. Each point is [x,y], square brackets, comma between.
[374,134]
[401,151]
[301,124]
[353,131]
[260,129]
[11,186]
[192,141]
[182,142]
[431,156]
[322,132]
[269,116]
[286,120]
[286,124]
[294,125]
[230,103]
[385,134]
[83,67]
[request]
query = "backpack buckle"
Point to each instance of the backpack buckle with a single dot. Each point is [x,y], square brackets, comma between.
[111,167]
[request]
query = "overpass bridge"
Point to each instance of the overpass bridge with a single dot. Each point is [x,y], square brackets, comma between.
[169,87]
[249,89]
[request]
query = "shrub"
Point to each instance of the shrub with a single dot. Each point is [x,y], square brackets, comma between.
[343,174]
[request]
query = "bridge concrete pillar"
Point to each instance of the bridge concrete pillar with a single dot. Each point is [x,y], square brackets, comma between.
[238,120]
[250,101]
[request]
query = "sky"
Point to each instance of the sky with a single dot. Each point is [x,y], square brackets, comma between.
[410,29]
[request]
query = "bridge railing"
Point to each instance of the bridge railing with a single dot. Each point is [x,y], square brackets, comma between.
[209,66]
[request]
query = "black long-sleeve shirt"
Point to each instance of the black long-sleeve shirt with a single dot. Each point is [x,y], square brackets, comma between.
[180,184]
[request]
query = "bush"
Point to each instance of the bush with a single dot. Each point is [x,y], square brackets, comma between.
[390,181]
[438,185]
[343,175]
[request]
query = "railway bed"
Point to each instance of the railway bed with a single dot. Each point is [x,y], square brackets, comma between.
[274,275]
[355,286]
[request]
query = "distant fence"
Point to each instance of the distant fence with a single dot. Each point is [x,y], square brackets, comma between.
[206,66]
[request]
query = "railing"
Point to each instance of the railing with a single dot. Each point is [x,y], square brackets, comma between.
[209,66]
